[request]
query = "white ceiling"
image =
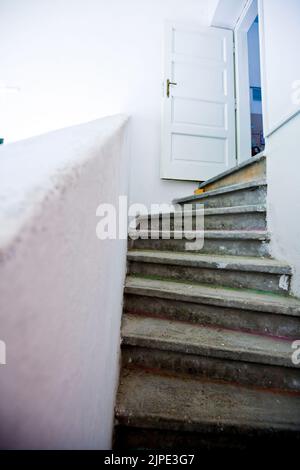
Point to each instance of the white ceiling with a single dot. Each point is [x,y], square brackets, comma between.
[208,9]
[227,12]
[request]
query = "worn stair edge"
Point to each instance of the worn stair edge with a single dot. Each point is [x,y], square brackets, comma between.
[251,161]
[170,335]
[219,296]
[259,322]
[260,235]
[152,400]
[255,247]
[212,368]
[249,209]
[211,273]
[217,192]
[230,263]
[236,210]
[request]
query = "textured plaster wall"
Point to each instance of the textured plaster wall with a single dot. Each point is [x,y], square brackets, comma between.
[61,288]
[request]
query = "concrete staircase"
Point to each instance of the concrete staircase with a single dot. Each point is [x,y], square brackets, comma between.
[207,337]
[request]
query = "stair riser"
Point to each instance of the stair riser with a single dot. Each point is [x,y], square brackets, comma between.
[128,437]
[255,172]
[134,437]
[211,246]
[211,315]
[243,197]
[250,221]
[244,373]
[219,277]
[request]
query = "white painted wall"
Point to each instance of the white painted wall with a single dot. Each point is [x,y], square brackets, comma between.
[77,60]
[283,171]
[280,34]
[61,288]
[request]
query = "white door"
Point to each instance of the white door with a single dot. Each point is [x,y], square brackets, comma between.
[198,140]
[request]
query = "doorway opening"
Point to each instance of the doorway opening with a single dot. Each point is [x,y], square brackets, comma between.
[250,131]
[256,112]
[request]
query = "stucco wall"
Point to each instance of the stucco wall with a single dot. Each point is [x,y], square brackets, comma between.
[61,288]
[77,60]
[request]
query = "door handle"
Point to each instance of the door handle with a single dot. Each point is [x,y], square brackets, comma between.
[169,83]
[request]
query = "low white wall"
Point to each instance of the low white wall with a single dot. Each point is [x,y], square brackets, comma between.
[61,288]
[77,60]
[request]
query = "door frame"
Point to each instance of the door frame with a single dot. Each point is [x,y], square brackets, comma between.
[243,111]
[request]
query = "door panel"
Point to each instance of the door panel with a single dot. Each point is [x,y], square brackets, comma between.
[198,144]
[196,81]
[198,112]
[198,139]
[196,44]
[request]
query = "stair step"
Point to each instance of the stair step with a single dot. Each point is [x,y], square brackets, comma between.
[226,242]
[241,309]
[243,299]
[155,401]
[252,169]
[158,333]
[220,218]
[231,271]
[218,353]
[242,194]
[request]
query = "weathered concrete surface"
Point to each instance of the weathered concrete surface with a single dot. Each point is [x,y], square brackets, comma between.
[186,338]
[202,330]
[243,243]
[235,263]
[254,273]
[213,315]
[250,170]
[209,442]
[236,298]
[236,195]
[196,366]
[224,218]
[152,400]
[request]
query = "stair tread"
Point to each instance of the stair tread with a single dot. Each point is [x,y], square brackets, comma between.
[155,400]
[219,234]
[220,191]
[211,211]
[211,295]
[236,209]
[228,262]
[158,333]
